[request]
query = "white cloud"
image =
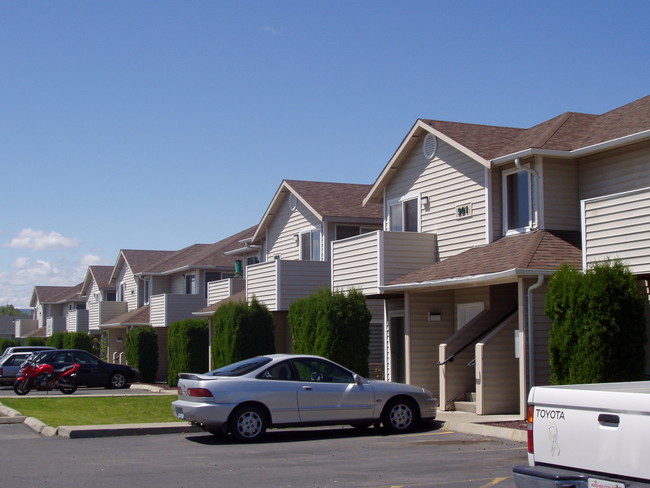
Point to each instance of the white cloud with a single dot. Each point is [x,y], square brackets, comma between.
[17,284]
[267,29]
[39,240]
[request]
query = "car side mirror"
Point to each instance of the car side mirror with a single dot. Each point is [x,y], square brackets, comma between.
[359,380]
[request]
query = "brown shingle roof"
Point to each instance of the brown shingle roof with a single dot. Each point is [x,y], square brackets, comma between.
[102,276]
[332,200]
[139,316]
[200,255]
[566,132]
[539,250]
[240,296]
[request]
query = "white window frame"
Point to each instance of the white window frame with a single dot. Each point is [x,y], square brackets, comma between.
[318,256]
[401,201]
[507,228]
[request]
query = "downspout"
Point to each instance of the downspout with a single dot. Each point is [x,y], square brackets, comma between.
[534,197]
[529,299]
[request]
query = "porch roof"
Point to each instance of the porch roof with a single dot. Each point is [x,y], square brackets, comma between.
[541,252]
[240,296]
[139,316]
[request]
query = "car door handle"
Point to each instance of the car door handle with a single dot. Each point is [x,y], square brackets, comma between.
[610,420]
[307,387]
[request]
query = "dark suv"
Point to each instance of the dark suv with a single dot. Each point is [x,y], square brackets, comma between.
[93,371]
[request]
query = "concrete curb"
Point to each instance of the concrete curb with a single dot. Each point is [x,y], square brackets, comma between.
[487,430]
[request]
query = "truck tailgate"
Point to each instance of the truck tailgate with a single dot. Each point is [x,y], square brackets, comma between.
[584,427]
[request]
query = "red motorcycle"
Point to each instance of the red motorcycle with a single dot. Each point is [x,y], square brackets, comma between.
[43,377]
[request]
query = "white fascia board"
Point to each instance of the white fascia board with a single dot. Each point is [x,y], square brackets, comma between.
[576,153]
[413,135]
[502,276]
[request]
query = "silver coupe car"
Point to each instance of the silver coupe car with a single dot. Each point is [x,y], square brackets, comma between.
[286,390]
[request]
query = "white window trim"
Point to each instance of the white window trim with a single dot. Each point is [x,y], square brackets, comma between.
[309,230]
[504,210]
[405,198]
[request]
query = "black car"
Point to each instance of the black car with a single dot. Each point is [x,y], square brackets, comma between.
[93,371]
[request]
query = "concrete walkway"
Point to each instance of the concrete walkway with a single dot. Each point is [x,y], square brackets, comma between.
[462,422]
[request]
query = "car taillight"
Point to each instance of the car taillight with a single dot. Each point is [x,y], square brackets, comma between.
[531,412]
[199,392]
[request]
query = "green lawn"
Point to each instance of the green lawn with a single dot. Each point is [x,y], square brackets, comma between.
[95,410]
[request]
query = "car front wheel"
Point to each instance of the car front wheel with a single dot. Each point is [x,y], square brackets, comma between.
[248,424]
[399,416]
[117,380]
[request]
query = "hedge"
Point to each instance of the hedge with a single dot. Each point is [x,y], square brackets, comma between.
[142,352]
[598,330]
[241,331]
[334,325]
[187,348]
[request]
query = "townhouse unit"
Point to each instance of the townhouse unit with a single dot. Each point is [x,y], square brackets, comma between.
[295,236]
[476,219]
[55,309]
[158,288]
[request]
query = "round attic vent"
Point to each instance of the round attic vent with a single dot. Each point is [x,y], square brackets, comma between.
[293,202]
[430,146]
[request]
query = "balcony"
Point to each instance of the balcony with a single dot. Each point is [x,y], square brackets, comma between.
[222,289]
[102,312]
[77,321]
[168,308]
[368,261]
[278,283]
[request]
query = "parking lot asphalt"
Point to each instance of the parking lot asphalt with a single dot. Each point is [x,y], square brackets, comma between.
[462,422]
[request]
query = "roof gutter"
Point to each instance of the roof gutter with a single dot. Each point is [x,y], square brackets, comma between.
[501,276]
[531,348]
[576,153]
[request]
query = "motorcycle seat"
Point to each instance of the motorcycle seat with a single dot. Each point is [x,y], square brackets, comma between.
[64,369]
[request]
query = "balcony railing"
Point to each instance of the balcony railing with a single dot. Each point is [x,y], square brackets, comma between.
[369,261]
[278,283]
[168,308]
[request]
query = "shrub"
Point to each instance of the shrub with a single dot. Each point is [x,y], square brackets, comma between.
[334,325]
[141,351]
[187,348]
[56,340]
[78,340]
[5,343]
[241,331]
[598,331]
[35,341]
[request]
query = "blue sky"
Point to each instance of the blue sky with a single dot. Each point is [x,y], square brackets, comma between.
[160,124]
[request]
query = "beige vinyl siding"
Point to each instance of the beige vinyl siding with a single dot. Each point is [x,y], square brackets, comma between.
[131,289]
[541,330]
[497,371]
[299,279]
[560,194]
[371,260]
[450,180]
[222,289]
[283,228]
[169,308]
[261,279]
[115,343]
[618,227]
[109,310]
[355,263]
[616,172]
[77,321]
[425,336]
[92,305]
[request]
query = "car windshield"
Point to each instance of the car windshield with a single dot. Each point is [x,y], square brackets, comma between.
[241,367]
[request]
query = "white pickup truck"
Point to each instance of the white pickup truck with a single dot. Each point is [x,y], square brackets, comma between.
[588,436]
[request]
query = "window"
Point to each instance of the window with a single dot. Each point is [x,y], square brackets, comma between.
[310,245]
[110,296]
[252,260]
[121,292]
[280,371]
[403,215]
[146,293]
[318,370]
[345,231]
[190,284]
[517,205]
